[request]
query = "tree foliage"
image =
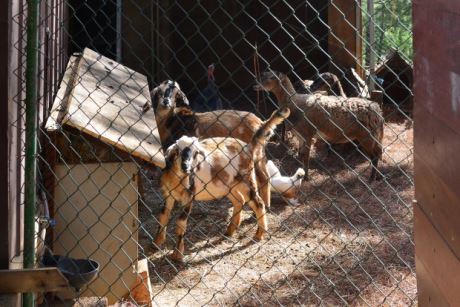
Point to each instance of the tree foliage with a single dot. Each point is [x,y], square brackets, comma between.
[393,28]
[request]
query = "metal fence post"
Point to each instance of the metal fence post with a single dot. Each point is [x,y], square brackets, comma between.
[31,140]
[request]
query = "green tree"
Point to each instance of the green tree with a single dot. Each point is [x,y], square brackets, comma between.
[393,28]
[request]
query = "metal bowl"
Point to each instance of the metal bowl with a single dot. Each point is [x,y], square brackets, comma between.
[79,272]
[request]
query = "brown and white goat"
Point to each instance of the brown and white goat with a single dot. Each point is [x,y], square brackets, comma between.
[214,168]
[335,119]
[175,118]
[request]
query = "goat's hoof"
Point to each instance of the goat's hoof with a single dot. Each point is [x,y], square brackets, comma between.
[376,177]
[230,232]
[259,236]
[158,242]
[177,256]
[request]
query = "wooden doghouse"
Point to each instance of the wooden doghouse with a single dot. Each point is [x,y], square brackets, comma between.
[396,74]
[97,137]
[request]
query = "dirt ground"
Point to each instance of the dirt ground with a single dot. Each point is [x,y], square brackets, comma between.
[348,242]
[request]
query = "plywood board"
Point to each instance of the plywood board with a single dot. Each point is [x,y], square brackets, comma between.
[106,101]
[96,217]
[32,280]
[60,104]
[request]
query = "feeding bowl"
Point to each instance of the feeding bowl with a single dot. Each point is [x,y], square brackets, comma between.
[79,272]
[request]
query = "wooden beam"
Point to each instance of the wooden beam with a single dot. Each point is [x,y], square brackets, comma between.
[344,42]
[5,27]
[32,280]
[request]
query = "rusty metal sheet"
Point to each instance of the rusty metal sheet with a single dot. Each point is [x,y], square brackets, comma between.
[438,269]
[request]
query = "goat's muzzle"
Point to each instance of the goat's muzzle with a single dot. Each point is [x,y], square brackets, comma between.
[166,101]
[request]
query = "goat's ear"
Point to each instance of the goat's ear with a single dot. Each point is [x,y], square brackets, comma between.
[171,155]
[155,96]
[181,99]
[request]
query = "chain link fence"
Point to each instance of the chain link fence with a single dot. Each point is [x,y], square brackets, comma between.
[329,215]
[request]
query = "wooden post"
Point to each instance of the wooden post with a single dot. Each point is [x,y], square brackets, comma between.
[371,44]
[344,42]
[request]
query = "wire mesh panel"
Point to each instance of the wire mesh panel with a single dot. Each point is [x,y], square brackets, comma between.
[157,113]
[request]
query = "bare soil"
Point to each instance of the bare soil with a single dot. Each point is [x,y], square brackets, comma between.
[349,242]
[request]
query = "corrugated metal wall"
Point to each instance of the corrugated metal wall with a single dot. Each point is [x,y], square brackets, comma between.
[437,144]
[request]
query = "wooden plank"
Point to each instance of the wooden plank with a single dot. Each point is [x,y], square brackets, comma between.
[428,292]
[438,268]
[437,70]
[344,42]
[76,147]
[107,103]
[437,145]
[32,280]
[60,104]
[6,55]
[439,202]
[96,217]
[141,292]
[437,174]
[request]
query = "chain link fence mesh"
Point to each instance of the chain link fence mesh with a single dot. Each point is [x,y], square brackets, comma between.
[334,239]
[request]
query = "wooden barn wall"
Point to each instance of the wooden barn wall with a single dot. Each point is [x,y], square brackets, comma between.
[437,143]
[184,41]
[52,58]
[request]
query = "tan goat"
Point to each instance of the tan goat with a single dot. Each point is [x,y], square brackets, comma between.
[175,118]
[212,169]
[334,119]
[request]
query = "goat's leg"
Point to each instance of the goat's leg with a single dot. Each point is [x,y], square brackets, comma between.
[305,154]
[181,226]
[258,206]
[163,220]
[375,161]
[238,202]
[261,216]
[263,182]
[374,151]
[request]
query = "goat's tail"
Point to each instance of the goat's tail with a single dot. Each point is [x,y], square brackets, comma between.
[265,131]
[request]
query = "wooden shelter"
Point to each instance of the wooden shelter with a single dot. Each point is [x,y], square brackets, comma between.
[98,138]
[396,74]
